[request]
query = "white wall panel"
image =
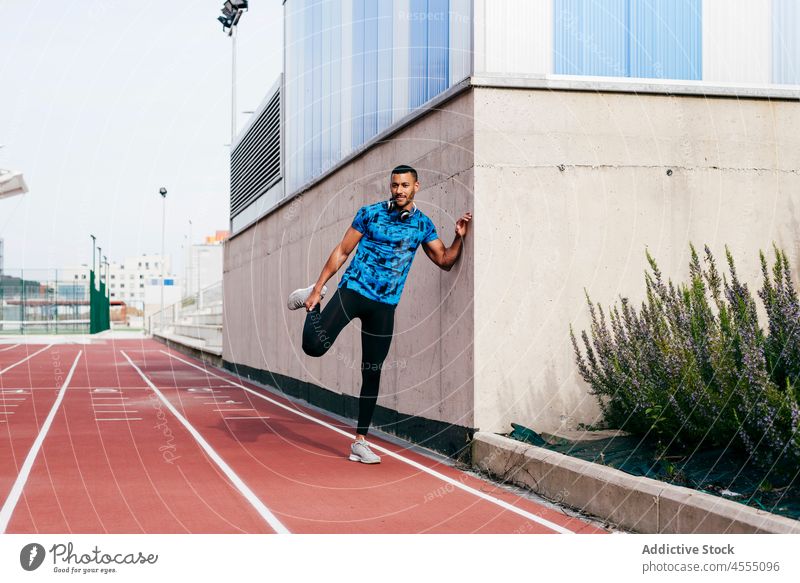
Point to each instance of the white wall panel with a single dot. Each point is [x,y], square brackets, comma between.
[737,41]
[517,37]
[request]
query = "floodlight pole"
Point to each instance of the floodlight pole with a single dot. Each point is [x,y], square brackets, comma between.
[94,251]
[233,84]
[163,192]
[231,14]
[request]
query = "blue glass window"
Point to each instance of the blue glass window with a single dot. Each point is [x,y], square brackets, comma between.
[629,38]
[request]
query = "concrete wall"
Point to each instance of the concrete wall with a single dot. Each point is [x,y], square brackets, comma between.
[544,233]
[430,365]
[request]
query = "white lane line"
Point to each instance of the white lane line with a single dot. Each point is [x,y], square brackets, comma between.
[106,412]
[223,403]
[225,410]
[453,482]
[9,348]
[24,359]
[22,477]
[118,418]
[249,495]
[15,405]
[233,418]
[6,412]
[4,399]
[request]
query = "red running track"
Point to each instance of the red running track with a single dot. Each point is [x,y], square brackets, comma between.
[146,440]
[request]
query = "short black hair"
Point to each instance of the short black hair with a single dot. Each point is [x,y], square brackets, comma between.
[403,169]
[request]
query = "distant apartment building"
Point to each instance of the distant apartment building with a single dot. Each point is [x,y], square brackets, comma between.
[204,264]
[73,283]
[128,280]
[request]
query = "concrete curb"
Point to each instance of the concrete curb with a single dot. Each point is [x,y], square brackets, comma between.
[210,356]
[634,503]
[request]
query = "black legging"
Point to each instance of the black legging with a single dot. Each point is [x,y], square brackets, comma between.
[377,324]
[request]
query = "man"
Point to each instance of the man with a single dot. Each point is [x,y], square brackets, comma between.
[388,234]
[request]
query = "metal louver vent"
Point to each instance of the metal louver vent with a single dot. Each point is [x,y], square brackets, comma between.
[256,159]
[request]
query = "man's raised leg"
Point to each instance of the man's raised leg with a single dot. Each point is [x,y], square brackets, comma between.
[322,327]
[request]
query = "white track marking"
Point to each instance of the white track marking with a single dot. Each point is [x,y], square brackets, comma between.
[22,477]
[9,348]
[118,418]
[455,483]
[245,490]
[24,359]
[104,412]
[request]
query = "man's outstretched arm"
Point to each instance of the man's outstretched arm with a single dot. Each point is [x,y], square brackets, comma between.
[445,257]
[337,258]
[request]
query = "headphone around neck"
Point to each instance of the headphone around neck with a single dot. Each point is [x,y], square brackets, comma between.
[405,213]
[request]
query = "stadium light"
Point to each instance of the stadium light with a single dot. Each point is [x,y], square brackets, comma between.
[232,11]
[12,183]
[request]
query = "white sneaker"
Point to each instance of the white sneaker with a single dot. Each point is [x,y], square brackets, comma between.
[299,296]
[360,452]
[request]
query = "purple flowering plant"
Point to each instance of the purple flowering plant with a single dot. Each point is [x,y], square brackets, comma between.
[692,368]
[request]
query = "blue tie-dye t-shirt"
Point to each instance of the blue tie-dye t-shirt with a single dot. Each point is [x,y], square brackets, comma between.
[385,252]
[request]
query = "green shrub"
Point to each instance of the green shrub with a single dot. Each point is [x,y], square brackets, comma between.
[693,369]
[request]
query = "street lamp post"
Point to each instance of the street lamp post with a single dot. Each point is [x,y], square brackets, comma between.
[163,192]
[190,270]
[94,251]
[105,262]
[91,286]
[232,11]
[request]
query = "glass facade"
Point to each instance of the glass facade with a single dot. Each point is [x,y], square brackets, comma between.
[743,42]
[355,67]
[629,38]
[785,41]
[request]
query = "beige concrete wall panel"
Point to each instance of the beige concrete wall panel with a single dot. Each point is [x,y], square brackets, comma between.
[457,311]
[589,129]
[429,367]
[546,233]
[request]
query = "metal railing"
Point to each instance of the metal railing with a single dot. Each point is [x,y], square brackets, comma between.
[48,301]
[208,301]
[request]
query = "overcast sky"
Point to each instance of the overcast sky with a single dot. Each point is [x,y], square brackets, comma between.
[104,101]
